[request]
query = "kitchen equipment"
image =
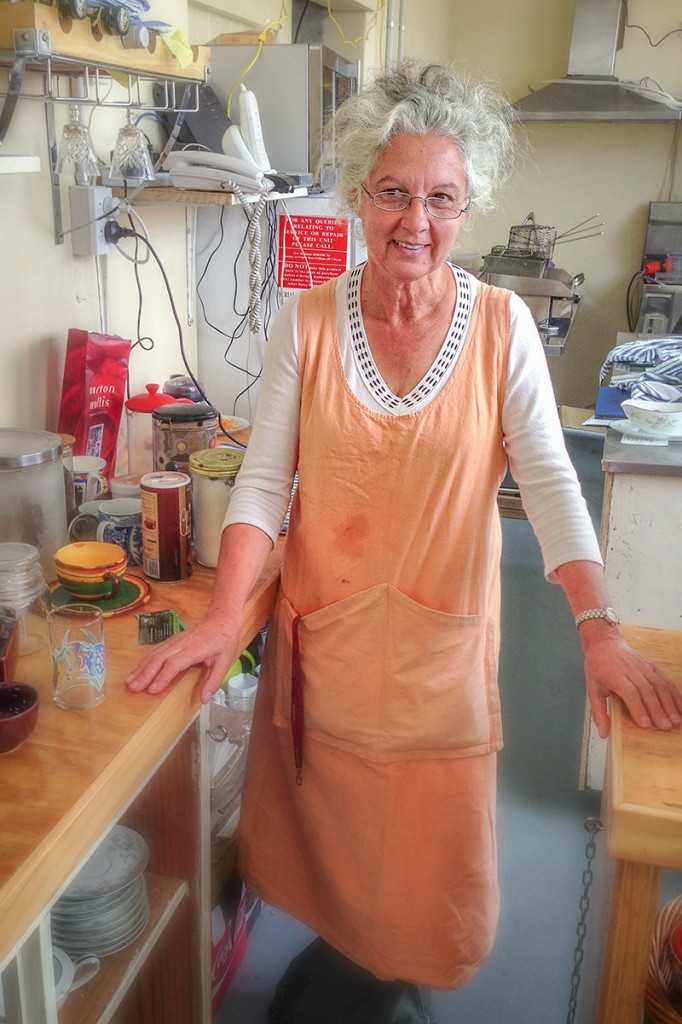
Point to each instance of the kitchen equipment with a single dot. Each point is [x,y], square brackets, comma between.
[213,473]
[524,265]
[179,386]
[32,495]
[139,409]
[78,661]
[120,522]
[651,417]
[24,594]
[166,525]
[9,647]
[88,478]
[68,441]
[91,569]
[179,430]
[18,714]
[660,307]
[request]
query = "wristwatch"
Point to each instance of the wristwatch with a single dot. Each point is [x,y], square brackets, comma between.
[608,614]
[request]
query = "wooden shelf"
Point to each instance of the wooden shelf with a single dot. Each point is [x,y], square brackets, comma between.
[99,999]
[74,43]
[200,197]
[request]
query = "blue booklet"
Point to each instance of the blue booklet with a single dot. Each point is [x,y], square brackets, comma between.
[608,404]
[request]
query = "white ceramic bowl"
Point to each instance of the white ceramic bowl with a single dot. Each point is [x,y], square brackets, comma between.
[652,417]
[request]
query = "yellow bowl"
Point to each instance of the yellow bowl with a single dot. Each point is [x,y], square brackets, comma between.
[91,568]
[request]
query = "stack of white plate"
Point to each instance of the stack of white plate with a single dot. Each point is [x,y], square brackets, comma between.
[105,907]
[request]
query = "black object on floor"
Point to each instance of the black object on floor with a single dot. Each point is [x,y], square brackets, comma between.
[320,985]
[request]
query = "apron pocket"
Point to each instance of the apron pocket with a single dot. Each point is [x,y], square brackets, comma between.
[389,679]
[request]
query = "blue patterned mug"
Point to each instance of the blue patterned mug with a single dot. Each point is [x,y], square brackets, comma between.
[120,522]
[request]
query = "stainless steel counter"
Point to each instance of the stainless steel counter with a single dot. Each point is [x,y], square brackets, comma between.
[646,459]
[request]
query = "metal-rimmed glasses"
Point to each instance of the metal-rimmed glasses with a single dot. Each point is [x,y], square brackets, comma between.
[392,200]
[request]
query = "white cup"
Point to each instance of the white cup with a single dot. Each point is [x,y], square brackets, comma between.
[125,487]
[120,522]
[88,478]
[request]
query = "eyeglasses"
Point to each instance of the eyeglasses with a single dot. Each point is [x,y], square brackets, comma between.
[393,201]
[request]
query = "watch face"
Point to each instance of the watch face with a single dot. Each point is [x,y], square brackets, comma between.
[611,616]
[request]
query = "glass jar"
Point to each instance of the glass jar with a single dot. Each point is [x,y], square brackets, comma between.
[32,492]
[24,595]
[213,473]
[68,441]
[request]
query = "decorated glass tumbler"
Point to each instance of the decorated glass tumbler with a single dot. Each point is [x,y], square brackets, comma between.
[77,647]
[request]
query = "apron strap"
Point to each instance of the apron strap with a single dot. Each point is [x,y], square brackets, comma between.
[297,709]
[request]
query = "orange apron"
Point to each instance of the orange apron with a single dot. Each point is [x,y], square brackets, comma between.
[388,615]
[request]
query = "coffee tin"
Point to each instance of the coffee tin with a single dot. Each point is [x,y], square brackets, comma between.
[166,526]
[179,430]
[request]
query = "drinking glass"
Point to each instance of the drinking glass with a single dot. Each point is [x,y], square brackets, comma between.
[78,664]
[131,158]
[75,147]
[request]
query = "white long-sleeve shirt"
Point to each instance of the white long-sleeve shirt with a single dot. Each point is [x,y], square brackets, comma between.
[532,432]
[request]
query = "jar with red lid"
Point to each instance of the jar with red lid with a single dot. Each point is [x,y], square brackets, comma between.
[139,409]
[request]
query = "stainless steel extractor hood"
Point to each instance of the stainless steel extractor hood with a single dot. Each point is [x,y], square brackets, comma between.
[590,92]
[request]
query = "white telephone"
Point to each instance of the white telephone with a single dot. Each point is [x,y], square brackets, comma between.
[214,172]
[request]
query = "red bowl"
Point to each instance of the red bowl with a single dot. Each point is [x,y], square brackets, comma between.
[18,714]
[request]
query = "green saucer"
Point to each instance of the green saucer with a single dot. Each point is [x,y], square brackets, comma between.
[131,593]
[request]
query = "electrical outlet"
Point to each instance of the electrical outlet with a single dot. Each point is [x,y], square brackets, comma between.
[89,205]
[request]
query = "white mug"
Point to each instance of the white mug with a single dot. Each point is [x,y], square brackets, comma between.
[88,477]
[120,522]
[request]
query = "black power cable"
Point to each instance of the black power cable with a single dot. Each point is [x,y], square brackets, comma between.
[113,233]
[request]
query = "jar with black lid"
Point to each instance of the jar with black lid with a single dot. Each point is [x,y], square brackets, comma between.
[179,430]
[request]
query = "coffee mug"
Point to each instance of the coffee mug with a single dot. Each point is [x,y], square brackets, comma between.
[120,522]
[84,525]
[88,478]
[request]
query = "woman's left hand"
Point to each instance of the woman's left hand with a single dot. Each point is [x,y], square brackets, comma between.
[650,696]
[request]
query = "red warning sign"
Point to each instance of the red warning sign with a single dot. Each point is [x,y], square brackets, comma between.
[311,250]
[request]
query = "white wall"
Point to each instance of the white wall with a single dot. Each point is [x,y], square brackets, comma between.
[573,172]
[45,290]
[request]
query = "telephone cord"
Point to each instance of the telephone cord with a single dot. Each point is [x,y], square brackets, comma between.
[253,213]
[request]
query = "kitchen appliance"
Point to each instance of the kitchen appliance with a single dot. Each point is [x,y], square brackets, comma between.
[525,266]
[589,91]
[660,310]
[297,86]
[32,494]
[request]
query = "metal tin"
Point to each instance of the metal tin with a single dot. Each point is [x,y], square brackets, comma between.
[179,430]
[166,526]
[213,474]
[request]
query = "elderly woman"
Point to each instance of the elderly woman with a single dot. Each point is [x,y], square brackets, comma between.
[398,392]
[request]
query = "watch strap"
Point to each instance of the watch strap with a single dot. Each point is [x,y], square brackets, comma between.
[607,614]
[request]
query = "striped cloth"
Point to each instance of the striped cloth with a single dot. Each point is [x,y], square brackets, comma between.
[661,376]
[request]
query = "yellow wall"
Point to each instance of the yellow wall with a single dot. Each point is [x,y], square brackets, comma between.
[573,171]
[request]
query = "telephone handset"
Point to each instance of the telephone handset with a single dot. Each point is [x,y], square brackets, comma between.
[252,132]
[201,169]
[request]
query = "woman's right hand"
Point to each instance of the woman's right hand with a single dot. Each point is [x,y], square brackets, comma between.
[213,644]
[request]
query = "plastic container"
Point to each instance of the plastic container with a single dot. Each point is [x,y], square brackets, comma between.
[32,492]
[24,595]
[241,692]
[213,473]
[179,431]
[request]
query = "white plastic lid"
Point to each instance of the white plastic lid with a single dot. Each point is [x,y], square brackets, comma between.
[242,685]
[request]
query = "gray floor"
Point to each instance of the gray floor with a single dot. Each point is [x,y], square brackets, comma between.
[541,815]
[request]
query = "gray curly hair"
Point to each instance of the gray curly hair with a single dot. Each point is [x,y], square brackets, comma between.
[416,98]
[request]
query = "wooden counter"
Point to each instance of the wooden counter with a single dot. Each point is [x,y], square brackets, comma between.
[63,789]
[643,815]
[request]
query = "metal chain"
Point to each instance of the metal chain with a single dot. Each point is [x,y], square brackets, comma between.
[593,826]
